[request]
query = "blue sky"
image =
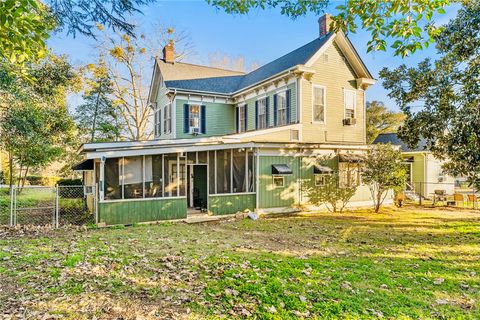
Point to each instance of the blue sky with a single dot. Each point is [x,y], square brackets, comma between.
[260,36]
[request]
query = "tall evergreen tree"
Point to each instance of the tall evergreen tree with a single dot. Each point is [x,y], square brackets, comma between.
[97,118]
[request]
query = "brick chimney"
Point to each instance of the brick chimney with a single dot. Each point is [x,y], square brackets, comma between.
[324,24]
[169,52]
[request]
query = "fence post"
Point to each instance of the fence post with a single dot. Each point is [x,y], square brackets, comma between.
[56,206]
[12,192]
[95,199]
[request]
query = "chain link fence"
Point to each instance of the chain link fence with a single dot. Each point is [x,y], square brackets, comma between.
[42,206]
[76,205]
[442,194]
[4,205]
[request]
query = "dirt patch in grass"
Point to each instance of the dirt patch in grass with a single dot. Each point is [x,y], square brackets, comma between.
[403,263]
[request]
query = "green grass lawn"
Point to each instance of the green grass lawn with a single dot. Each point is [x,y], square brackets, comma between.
[401,264]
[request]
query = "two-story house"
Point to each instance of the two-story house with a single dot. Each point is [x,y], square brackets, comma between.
[228,141]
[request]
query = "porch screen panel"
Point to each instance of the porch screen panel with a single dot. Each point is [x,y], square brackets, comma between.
[112,179]
[153,176]
[211,171]
[133,177]
[223,171]
[192,157]
[202,157]
[170,174]
[239,169]
[182,176]
[251,172]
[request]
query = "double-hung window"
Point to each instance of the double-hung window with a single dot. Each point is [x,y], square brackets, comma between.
[194,116]
[319,103]
[241,121]
[167,119]
[158,121]
[349,174]
[282,108]
[349,99]
[262,114]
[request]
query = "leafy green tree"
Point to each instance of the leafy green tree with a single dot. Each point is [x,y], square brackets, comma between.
[35,135]
[331,194]
[96,117]
[381,120]
[383,170]
[442,99]
[35,126]
[25,25]
[406,26]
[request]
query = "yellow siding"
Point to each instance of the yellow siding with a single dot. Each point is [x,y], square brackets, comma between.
[334,73]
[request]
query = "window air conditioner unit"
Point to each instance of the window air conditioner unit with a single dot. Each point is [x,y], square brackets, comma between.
[349,121]
[194,130]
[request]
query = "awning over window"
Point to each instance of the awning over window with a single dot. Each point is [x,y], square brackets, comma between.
[350,157]
[281,169]
[85,165]
[318,169]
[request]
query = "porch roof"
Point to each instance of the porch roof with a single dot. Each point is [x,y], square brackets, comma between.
[151,147]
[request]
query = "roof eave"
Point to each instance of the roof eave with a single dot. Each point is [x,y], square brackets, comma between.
[199,92]
[258,83]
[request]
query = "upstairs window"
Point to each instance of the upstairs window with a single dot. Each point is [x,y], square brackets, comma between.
[350,102]
[167,119]
[281,108]
[319,104]
[194,119]
[194,116]
[262,113]
[158,121]
[242,118]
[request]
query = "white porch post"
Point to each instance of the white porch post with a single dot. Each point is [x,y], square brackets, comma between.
[101,183]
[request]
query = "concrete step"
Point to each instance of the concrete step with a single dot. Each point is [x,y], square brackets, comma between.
[202,218]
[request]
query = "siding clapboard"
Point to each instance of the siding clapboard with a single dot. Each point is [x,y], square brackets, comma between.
[220,119]
[134,211]
[219,205]
[333,72]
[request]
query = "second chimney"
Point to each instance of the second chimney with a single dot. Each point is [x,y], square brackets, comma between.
[324,24]
[169,52]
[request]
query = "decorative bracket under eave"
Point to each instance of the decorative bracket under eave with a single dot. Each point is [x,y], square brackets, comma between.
[364,83]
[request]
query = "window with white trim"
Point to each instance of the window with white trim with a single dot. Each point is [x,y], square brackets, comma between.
[350,98]
[349,174]
[158,116]
[321,179]
[278,181]
[167,119]
[319,104]
[194,116]
[241,118]
[262,113]
[282,108]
